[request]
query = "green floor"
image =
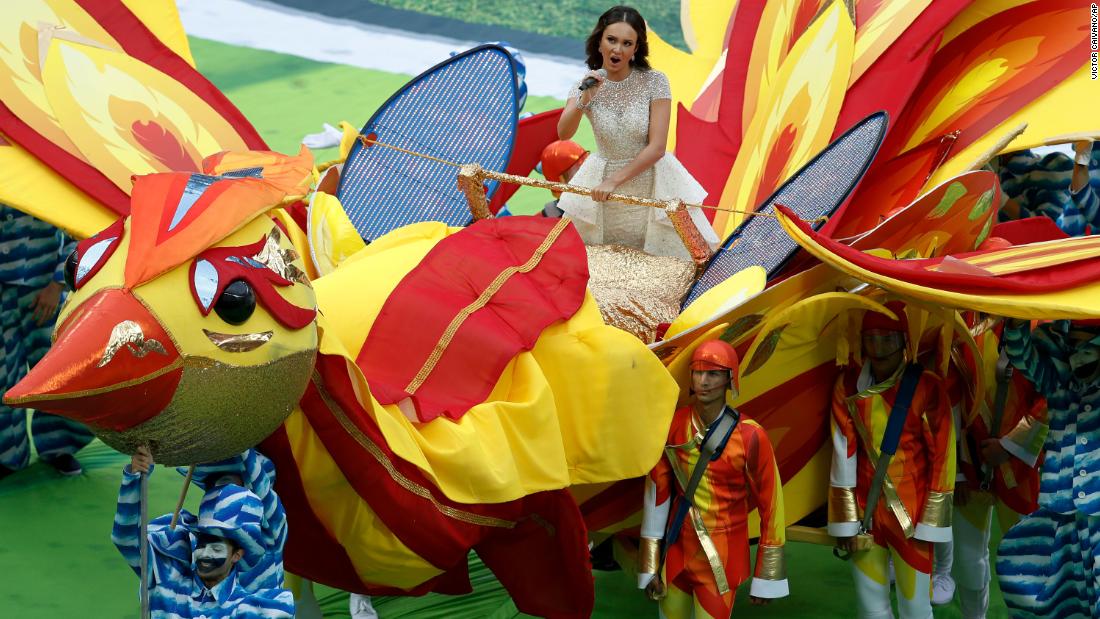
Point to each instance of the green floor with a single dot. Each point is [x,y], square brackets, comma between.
[57,560]
[56,557]
[565,18]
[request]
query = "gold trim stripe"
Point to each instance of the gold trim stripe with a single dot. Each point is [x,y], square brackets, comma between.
[178,363]
[1047,248]
[406,483]
[480,302]
[1041,262]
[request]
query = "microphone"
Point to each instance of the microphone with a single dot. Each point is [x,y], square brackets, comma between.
[590,81]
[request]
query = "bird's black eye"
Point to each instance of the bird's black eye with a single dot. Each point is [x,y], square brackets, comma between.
[70,270]
[236,303]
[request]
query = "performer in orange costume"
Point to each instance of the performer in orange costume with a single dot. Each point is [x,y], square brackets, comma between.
[707,561]
[915,505]
[998,471]
[1010,456]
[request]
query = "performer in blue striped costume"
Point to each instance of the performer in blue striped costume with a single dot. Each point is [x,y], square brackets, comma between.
[1049,564]
[1056,186]
[32,260]
[225,562]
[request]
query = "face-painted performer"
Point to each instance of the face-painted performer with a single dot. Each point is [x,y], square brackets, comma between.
[706,545]
[916,485]
[999,450]
[1047,563]
[225,562]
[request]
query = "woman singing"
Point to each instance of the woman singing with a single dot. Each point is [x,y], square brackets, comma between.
[629,106]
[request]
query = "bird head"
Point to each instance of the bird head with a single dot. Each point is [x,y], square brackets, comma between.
[190,327]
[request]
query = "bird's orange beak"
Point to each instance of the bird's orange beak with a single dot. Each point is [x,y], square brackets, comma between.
[112,366]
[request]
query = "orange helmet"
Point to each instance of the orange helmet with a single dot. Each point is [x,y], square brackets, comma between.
[558,157]
[875,320]
[994,243]
[716,355]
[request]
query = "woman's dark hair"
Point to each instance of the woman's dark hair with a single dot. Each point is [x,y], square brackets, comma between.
[614,15]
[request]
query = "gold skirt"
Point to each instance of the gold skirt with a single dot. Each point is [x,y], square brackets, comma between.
[636,291]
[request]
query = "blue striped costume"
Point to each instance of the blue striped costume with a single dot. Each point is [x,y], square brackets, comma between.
[1048,564]
[32,254]
[1041,186]
[252,516]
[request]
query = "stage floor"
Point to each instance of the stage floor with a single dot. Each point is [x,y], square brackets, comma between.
[58,561]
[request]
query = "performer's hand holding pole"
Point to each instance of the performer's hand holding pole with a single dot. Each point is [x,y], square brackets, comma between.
[140,463]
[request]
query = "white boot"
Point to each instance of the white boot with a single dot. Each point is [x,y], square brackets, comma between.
[943,589]
[361,607]
[305,603]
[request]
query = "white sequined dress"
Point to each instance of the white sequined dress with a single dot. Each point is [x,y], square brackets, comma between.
[619,114]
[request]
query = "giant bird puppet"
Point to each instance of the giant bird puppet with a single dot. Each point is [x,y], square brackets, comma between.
[405,432]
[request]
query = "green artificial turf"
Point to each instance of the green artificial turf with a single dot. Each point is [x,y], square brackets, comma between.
[821,588]
[565,18]
[56,554]
[58,561]
[286,97]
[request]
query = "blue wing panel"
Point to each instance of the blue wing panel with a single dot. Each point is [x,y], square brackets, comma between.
[819,188]
[462,110]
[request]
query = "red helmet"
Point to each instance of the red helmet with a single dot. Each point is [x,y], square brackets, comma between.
[994,243]
[716,355]
[876,320]
[559,156]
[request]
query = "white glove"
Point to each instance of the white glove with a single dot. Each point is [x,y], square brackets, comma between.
[1082,152]
[328,138]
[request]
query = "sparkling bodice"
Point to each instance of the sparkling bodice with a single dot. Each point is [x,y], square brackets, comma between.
[619,113]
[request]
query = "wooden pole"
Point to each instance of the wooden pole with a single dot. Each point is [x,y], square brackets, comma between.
[143,546]
[183,496]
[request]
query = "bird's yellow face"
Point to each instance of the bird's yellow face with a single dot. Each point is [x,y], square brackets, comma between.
[199,362]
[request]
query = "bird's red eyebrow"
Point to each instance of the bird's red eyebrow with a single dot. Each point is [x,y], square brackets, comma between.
[115,232]
[233,263]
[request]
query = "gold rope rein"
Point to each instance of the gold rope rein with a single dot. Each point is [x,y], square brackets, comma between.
[502,177]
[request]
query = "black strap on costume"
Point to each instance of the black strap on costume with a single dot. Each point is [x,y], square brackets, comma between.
[714,443]
[891,437]
[1000,397]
